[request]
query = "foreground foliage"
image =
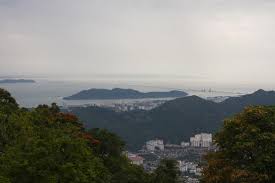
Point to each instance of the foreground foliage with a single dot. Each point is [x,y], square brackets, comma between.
[46,146]
[167,171]
[246,149]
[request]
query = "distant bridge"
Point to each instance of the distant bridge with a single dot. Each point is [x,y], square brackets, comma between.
[203,90]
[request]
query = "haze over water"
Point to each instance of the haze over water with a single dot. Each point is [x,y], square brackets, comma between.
[49,90]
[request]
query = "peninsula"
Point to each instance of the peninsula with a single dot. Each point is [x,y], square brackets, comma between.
[13,81]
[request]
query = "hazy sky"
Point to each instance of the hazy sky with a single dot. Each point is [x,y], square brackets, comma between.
[223,41]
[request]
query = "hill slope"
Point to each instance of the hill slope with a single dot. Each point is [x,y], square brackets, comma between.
[173,121]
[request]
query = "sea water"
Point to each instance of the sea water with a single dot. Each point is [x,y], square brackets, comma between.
[49,91]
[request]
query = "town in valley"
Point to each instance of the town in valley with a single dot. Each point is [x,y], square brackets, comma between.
[189,155]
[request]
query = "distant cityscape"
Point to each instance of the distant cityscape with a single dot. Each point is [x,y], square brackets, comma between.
[124,106]
[188,154]
[131,105]
[137,105]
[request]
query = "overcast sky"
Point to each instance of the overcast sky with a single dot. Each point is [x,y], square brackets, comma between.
[223,41]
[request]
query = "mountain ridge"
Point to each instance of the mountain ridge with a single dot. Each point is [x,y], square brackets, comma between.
[174,121]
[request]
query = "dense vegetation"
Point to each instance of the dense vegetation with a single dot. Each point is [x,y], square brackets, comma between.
[46,146]
[118,93]
[174,121]
[167,171]
[246,149]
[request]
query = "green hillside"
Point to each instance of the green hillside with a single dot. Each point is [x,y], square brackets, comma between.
[173,121]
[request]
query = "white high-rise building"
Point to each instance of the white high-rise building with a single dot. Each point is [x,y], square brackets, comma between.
[201,140]
[153,145]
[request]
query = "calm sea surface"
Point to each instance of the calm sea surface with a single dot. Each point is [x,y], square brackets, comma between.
[47,92]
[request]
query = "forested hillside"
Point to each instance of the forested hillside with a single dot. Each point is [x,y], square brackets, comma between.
[173,121]
[46,146]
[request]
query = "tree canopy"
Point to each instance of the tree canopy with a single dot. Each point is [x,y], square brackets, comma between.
[167,172]
[246,149]
[47,146]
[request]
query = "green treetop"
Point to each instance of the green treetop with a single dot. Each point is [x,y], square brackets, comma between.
[246,149]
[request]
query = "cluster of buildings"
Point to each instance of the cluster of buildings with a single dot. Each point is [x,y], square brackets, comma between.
[153,145]
[191,180]
[203,140]
[188,154]
[217,99]
[136,105]
[121,105]
[189,167]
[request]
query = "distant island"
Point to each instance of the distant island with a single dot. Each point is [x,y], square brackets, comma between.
[12,81]
[118,93]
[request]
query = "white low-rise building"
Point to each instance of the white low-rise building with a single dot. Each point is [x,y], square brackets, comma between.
[185,144]
[198,171]
[153,145]
[189,167]
[135,159]
[183,166]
